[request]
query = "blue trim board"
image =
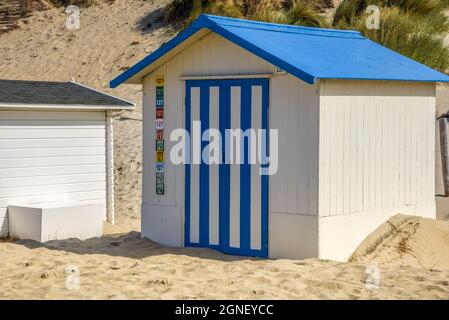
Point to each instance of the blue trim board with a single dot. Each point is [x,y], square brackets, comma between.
[187,170]
[307,53]
[142,64]
[278,62]
[224,169]
[264,178]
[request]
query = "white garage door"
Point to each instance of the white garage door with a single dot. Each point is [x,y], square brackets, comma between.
[51,158]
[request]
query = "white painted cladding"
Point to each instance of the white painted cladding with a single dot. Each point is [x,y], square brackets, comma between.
[293,109]
[377,148]
[351,153]
[377,158]
[51,158]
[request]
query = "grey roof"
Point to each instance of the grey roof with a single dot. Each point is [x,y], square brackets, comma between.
[19,92]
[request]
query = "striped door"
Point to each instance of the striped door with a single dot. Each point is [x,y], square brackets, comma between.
[226,204]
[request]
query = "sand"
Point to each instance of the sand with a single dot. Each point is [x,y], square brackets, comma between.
[407,241]
[127,267]
[121,265]
[111,38]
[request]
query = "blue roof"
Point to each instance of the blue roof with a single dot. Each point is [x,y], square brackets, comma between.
[307,53]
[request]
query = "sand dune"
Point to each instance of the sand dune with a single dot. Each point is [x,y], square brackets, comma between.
[407,241]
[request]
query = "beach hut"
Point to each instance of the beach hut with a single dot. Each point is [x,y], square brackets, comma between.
[56,159]
[355,138]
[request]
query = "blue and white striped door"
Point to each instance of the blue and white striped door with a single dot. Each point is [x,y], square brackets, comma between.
[226,205]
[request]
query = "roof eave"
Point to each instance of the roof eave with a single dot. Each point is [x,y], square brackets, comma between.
[301,74]
[440,80]
[19,106]
[135,74]
[126,103]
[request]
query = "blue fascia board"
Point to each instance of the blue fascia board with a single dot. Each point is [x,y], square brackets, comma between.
[264,55]
[377,79]
[142,64]
[308,73]
[205,22]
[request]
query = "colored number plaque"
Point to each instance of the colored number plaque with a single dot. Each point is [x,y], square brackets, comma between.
[159,102]
[159,124]
[159,178]
[159,113]
[159,80]
[160,167]
[160,189]
[160,92]
[159,145]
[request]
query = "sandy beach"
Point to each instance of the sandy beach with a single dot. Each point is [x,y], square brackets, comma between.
[127,267]
[124,266]
[411,254]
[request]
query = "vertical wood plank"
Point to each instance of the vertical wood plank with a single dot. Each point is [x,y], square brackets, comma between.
[195,174]
[256,180]
[234,234]
[214,188]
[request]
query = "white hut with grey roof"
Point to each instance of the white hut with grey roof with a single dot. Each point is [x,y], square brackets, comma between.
[56,159]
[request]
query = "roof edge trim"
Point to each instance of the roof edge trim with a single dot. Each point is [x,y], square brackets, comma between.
[129,103]
[200,23]
[63,106]
[204,22]
[265,55]
[282,26]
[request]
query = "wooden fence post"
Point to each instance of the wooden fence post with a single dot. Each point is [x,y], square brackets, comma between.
[444,147]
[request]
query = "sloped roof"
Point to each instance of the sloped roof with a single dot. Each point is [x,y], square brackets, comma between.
[307,53]
[46,93]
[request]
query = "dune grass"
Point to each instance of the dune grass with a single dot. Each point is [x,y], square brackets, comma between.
[298,12]
[79,3]
[413,28]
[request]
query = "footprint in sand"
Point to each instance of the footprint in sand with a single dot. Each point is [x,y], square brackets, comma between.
[165,283]
[48,275]
[19,276]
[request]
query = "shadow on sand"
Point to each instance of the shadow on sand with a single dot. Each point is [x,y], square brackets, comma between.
[129,245]
[152,21]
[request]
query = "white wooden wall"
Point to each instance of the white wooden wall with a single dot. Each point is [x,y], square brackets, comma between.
[293,110]
[377,148]
[51,157]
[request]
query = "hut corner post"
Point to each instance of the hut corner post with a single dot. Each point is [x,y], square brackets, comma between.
[442,123]
[110,214]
